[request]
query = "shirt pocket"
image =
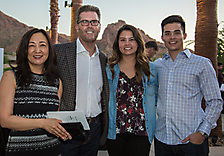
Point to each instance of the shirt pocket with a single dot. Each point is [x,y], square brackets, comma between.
[150,90]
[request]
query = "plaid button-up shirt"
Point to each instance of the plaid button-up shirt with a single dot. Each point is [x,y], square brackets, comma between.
[182,85]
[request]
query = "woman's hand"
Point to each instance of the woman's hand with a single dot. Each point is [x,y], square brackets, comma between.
[53,126]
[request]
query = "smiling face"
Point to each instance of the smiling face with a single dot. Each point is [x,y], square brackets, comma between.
[173,37]
[38,51]
[88,33]
[127,43]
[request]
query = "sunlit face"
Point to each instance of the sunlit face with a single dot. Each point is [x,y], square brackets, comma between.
[38,50]
[88,33]
[150,52]
[173,37]
[127,43]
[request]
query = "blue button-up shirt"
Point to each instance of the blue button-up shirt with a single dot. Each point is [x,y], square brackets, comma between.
[182,85]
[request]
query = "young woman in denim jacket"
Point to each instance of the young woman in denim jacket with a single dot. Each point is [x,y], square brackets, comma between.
[133,89]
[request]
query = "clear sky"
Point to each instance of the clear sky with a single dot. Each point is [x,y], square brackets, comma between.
[144,14]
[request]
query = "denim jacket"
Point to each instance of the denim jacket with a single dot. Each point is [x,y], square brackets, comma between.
[149,101]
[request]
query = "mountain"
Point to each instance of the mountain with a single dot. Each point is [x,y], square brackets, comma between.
[109,34]
[12,30]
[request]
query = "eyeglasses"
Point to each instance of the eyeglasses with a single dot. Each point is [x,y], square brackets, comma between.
[86,22]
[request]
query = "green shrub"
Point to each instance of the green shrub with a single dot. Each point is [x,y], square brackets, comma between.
[6,69]
[6,60]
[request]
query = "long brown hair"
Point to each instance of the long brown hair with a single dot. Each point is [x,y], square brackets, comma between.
[23,73]
[142,63]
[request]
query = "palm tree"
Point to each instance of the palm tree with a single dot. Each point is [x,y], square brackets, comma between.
[206,40]
[54,10]
[75,5]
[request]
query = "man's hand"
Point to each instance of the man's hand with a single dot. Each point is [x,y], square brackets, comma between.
[195,138]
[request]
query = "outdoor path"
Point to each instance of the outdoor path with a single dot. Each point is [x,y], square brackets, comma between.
[216,151]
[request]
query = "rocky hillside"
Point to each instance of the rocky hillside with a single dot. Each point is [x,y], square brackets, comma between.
[12,30]
[106,43]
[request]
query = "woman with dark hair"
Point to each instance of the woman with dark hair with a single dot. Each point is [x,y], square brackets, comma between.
[133,87]
[27,92]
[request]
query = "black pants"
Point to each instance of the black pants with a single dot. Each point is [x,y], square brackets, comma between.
[188,149]
[87,147]
[128,144]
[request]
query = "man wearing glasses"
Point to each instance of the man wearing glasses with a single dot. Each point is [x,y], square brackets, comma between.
[85,87]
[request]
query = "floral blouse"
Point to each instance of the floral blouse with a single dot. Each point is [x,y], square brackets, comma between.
[130,114]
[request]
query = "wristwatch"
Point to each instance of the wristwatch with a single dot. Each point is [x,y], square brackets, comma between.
[203,134]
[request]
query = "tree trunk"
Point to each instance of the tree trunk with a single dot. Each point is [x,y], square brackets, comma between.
[206,40]
[75,5]
[54,10]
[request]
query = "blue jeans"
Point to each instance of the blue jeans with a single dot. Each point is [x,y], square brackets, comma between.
[188,149]
[87,147]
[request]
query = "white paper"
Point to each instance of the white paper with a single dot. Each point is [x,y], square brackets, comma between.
[70,117]
[222,87]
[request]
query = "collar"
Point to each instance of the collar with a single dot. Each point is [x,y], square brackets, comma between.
[81,48]
[186,52]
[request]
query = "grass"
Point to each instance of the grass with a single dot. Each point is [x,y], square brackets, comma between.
[6,69]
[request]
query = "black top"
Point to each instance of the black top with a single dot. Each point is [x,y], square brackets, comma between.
[33,102]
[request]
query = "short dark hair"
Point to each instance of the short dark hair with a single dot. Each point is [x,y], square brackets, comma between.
[87,8]
[173,19]
[219,63]
[23,68]
[151,44]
